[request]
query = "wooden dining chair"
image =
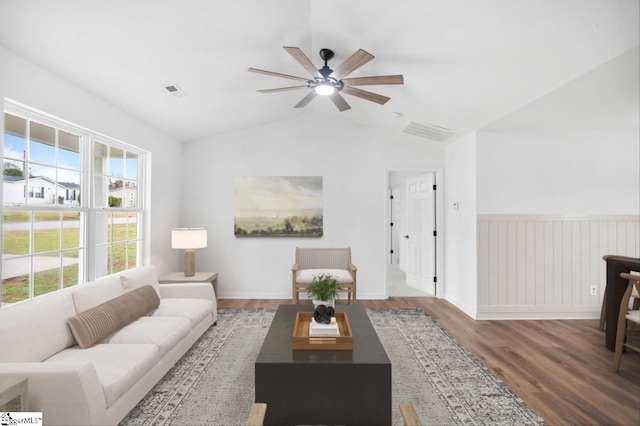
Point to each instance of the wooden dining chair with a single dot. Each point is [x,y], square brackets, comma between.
[409,415]
[256,416]
[634,294]
[627,320]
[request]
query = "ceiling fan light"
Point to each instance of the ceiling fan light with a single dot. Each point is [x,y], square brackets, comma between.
[325,89]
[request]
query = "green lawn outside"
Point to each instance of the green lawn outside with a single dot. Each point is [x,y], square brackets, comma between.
[17,242]
[16,217]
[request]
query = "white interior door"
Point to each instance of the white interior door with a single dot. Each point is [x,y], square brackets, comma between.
[397,224]
[419,236]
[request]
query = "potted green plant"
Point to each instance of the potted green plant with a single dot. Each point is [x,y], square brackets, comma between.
[323,289]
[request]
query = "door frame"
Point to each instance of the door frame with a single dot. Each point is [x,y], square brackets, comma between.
[439,220]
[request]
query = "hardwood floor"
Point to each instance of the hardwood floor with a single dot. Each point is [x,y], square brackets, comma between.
[560,368]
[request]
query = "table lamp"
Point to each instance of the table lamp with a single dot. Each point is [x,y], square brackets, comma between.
[189,239]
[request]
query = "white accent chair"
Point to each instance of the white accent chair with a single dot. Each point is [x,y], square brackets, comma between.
[314,261]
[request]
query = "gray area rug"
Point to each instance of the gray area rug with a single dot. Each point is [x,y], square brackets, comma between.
[213,384]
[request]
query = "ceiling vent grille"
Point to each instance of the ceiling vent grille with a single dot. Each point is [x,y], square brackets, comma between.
[175,90]
[429,131]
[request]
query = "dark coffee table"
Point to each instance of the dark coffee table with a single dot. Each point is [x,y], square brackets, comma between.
[323,387]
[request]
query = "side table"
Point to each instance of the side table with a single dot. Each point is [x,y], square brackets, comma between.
[199,277]
[13,395]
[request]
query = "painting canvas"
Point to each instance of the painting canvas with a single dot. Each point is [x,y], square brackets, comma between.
[278,206]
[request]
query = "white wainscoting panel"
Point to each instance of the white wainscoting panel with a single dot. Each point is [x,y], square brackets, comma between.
[542,266]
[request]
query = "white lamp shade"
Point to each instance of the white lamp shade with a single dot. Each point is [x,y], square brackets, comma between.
[188,238]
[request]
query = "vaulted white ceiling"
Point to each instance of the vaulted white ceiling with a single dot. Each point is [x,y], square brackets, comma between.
[466,63]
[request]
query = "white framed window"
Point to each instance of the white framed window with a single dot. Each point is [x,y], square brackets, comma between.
[61,222]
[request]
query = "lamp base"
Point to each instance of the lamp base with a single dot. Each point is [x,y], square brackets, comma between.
[189,263]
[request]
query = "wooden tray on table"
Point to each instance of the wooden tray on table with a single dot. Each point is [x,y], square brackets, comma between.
[302,341]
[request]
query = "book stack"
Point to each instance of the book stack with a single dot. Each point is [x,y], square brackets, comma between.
[318,329]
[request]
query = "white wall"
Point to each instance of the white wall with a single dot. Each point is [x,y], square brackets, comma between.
[574,151]
[558,188]
[460,278]
[559,172]
[29,84]
[353,161]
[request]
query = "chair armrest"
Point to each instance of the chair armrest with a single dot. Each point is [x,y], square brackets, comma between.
[66,393]
[352,267]
[294,268]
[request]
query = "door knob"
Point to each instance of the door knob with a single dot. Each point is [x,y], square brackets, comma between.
[406,236]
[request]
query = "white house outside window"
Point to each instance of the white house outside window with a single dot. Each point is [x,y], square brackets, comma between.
[65,219]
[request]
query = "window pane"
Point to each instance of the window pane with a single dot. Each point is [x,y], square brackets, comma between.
[130,195]
[116,162]
[70,267]
[119,258]
[119,227]
[14,166]
[132,226]
[68,188]
[15,135]
[46,230]
[42,146]
[42,186]
[46,276]
[69,152]
[70,230]
[16,228]
[132,166]
[116,191]
[132,255]
[15,279]
[13,190]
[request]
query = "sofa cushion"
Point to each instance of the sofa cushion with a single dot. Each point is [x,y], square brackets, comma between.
[193,309]
[95,324]
[305,276]
[138,277]
[118,366]
[91,294]
[34,330]
[162,332]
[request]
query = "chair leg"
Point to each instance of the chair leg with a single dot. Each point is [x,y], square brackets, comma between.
[603,311]
[619,345]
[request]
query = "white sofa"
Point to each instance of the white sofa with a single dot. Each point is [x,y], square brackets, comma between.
[102,383]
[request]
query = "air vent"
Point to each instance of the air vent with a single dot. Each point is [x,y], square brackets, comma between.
[175,90]
[429,131]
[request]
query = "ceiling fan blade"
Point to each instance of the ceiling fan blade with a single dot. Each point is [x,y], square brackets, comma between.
[283,89]
[373,97]
[277,74]
[352,63]
[302,59]
[339,101]
[312,94]
[379,79]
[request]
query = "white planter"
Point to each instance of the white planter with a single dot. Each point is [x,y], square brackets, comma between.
[316,303]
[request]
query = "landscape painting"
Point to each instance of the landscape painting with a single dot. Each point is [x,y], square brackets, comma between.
[278,206]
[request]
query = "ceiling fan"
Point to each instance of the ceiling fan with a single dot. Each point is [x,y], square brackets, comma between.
[328,82]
